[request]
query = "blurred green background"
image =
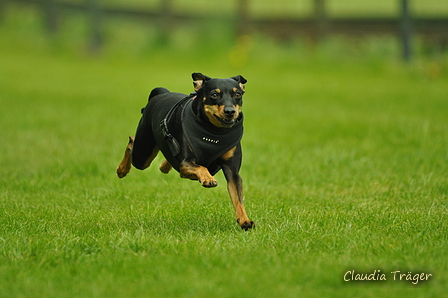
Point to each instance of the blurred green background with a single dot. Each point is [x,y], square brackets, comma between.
[345,149]
[139,27]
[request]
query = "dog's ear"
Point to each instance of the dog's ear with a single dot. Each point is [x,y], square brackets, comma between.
[198,80]
[241,81]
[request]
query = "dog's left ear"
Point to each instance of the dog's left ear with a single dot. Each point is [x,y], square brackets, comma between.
[198,80]
[241,81]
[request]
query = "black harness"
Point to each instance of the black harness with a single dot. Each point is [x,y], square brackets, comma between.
[207,141]
[172,142]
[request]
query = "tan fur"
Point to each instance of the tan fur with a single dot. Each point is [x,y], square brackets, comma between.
[165,167]
[193,171]
[229,154]
[212,110]
[238,111]
[125,166]
[237,200]
[197,85]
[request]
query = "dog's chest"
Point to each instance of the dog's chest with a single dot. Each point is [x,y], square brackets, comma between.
[208,144]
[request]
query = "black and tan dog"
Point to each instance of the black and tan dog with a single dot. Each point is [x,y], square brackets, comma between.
[198,134]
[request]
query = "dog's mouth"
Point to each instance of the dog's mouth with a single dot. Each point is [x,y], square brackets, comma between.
[226,122]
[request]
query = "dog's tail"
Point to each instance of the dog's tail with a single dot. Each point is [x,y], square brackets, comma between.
[157,91]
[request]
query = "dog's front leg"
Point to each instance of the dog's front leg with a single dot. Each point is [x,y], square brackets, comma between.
[230,166]
[194,171]
[235,188]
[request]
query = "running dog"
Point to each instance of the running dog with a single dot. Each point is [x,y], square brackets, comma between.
[198,134]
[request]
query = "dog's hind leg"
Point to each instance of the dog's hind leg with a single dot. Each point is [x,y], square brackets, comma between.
[165,167]
[141,149]
[145,148]
[125,166]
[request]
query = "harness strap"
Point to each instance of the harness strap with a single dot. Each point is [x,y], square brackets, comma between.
[172,142]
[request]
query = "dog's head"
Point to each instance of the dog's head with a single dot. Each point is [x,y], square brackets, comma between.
[222,99]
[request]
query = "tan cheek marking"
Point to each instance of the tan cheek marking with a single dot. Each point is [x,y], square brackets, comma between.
[221,111]
[210,111]
[238,109]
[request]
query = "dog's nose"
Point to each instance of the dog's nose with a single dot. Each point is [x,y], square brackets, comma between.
[229,111]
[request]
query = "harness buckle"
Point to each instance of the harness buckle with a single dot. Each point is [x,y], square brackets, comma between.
[164,127]
[172,143]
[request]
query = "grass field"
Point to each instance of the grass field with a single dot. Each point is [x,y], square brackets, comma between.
[345,168]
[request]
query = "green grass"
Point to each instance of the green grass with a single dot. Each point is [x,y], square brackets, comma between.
[345,168]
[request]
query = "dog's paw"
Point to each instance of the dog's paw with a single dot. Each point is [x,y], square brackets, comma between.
[122,171]
[211,182]
[246,225]
[165,167]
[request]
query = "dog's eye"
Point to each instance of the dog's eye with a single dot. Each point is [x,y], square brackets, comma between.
[214,95]
[237,95]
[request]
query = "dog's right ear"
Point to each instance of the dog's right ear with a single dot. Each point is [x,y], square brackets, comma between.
[198,80]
